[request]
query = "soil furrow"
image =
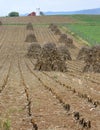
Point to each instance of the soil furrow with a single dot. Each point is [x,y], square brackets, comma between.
[13,102]
[60,102]
[35,126]
[81,94]
[62,96]
[5,80]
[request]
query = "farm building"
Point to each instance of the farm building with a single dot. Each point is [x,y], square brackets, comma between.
[32,14]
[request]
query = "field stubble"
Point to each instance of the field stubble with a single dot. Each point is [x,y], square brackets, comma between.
[31,98]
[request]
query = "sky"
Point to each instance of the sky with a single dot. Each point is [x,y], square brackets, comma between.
[27,6]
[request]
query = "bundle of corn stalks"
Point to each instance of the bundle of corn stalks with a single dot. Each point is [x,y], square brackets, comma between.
[34,50]
[50,59]
[31,38]
[29,26]
[67,41]
[83,53]
[53,27]
[63,38]
[50,26]
[0,23]
[57,31]
[92,60]
[64,52]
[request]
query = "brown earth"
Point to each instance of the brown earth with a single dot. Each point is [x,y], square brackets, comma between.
[38,20]
[29,98]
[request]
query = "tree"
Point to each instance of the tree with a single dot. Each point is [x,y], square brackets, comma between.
[13,14]
[41,13]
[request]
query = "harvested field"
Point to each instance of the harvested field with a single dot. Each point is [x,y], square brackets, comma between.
[46,100]
[38,20]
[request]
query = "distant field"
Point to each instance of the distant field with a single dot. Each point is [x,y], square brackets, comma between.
[90,19]
[89,29]
[85,26]
[37,20]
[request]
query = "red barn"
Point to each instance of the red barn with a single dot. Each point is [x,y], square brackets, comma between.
[32,14]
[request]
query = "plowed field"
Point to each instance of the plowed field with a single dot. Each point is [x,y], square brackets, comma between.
[30,99]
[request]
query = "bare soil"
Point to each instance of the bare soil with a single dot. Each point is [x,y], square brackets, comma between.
[30,98]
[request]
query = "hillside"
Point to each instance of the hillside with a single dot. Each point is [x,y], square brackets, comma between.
[88,11]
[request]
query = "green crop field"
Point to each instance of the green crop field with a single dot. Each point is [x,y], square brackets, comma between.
[88,28]
[90,19]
